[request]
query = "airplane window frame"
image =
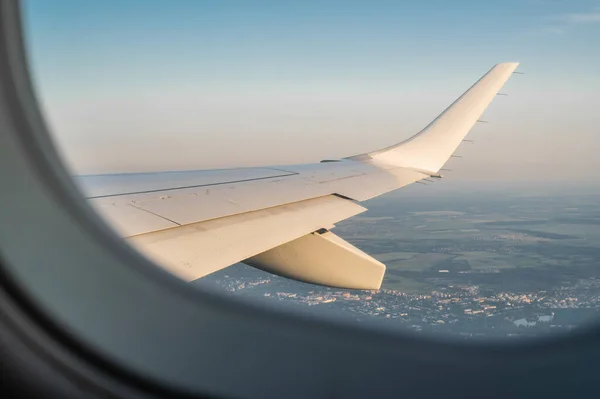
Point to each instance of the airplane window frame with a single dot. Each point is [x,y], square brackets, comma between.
[59,261]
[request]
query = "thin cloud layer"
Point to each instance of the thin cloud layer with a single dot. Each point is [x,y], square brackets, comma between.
[588,17]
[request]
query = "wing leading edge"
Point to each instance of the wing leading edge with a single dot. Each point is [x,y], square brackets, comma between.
[278,219]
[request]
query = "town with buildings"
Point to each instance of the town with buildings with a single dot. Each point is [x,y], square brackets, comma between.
[465,311]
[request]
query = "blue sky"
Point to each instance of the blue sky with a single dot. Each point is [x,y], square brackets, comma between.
[148,85]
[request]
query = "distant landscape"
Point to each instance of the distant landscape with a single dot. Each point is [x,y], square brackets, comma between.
[482,263]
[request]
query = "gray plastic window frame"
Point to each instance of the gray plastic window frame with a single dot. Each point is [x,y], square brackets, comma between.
[109,312]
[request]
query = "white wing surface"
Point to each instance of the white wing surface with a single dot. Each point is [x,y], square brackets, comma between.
[278,218]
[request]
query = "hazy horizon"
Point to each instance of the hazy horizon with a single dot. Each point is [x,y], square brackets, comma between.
[199,85]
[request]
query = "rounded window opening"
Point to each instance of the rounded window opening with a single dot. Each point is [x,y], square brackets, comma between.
[261,151]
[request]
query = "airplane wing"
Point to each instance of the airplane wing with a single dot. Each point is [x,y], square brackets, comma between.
[278,219]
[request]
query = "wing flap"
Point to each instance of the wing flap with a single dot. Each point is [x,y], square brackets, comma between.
[198,249]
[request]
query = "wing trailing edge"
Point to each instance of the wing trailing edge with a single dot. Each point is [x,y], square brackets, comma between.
[195,250]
